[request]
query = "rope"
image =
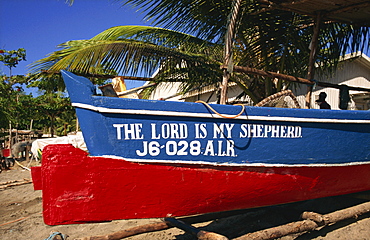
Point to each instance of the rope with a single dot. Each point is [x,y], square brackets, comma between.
[277,95]
[19,219]
[219,114]
[53,235]
[22,166]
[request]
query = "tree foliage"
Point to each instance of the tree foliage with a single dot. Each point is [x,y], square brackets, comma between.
[55,112]
[13,102]
[189,46]
[19,110]
[11,58]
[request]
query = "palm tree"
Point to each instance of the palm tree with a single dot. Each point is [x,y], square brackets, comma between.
[139,50]
[273,40]
[268,39]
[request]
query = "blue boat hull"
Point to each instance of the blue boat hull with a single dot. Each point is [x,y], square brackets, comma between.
[179,132]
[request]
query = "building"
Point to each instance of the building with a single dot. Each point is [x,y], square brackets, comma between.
[353,70]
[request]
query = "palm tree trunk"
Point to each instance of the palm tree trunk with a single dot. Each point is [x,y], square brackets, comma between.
[228,50]
[52,126]
[313,53]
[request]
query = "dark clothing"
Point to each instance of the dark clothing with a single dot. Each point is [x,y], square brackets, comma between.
[321,101]
[324,105]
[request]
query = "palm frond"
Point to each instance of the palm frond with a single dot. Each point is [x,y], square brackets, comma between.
[132,49]
[202,18]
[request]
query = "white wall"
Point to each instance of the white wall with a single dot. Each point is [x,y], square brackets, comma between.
[351,72]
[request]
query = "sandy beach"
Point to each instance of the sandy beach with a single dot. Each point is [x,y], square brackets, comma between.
[21,218]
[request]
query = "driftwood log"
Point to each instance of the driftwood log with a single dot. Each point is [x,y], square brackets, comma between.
[14,183]
[200,234]
[290,78]
[153,227]
[311,222]
[8,182]
[130,232]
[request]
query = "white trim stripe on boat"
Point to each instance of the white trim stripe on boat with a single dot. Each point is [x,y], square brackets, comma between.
[236,164]
[209,115]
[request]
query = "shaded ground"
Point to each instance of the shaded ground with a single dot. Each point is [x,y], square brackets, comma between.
[21,218]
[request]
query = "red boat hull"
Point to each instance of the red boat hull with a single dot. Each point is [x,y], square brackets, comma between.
[78,188]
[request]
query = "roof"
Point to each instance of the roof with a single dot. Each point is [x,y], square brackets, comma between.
[355,12]
[358,56]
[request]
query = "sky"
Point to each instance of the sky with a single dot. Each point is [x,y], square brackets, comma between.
[39,26]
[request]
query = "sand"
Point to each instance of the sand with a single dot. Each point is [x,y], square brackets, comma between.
[21,218]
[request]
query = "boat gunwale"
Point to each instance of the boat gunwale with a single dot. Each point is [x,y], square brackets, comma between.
[210,115]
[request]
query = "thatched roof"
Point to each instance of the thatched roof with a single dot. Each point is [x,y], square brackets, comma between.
[355,12]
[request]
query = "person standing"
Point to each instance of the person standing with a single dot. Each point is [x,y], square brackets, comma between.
[321,101]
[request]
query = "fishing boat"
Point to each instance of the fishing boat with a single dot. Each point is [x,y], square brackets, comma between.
[153,158]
